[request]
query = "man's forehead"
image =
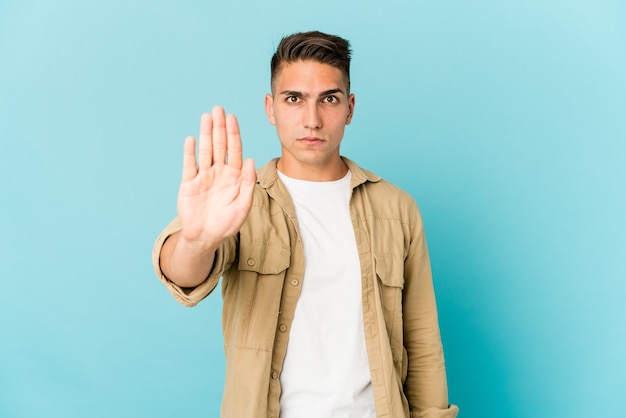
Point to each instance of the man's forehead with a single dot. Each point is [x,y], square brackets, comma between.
[309,76]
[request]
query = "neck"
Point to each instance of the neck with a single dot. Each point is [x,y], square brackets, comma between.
[309,172]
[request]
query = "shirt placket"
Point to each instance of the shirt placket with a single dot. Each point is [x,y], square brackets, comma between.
[291,292]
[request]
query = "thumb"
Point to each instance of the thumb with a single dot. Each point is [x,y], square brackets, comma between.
[248,181]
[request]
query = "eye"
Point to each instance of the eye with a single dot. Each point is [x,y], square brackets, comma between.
[330,99]
[292,99]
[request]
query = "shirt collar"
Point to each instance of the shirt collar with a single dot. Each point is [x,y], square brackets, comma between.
[267,175]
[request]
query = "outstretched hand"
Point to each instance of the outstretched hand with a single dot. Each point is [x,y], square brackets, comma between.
[215,193]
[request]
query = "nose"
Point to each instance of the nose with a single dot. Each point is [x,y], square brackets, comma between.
[312,117]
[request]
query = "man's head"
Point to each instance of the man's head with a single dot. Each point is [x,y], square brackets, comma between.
[311,104]
[313,46]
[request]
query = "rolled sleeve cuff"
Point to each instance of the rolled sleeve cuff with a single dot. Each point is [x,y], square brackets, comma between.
[187,296]
[450,412]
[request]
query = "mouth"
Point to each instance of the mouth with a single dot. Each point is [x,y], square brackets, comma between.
[311,140]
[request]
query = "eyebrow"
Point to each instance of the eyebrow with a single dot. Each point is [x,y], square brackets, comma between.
[300,94]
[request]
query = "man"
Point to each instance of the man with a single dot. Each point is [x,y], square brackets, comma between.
[329,309]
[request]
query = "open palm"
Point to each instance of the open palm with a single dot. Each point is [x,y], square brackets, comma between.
[215,193]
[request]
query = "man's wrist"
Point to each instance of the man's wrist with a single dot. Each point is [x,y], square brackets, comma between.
[195,248]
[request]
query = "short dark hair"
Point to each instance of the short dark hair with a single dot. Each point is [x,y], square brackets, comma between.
[314,46]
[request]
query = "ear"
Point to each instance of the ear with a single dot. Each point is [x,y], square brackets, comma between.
[351,102]
[269,108]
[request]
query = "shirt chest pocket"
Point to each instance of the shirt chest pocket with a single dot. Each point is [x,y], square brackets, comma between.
[252,292]
[390,277]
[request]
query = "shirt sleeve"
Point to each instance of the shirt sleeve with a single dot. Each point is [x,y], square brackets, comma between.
[187,296]
[425,386]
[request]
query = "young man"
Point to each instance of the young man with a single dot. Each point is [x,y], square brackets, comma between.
[329,309]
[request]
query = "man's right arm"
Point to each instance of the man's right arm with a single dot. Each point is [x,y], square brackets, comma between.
[183,263]
[214,200]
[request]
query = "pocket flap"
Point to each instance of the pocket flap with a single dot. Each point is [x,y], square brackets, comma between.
[263,257]
[390,270]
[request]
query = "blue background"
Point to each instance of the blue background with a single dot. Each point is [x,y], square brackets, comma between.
[506,121]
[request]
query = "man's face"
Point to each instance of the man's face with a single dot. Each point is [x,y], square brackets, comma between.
[310,107]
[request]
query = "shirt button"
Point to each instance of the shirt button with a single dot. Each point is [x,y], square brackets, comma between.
[282,328]
[274,375]
[250,262]
[294,282]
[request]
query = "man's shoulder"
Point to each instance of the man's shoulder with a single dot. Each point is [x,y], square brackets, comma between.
[381,188]
[386,193]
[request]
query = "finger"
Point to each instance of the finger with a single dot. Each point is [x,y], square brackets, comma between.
[219,136]
[205,145]
[234,142]
[189,159]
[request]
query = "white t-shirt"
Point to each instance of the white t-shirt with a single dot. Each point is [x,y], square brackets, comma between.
[326,372]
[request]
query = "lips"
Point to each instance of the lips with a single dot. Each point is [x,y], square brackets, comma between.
[311,140]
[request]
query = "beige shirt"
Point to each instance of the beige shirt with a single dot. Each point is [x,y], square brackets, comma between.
[263,268]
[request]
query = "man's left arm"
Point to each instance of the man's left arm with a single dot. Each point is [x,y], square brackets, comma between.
[425,386]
